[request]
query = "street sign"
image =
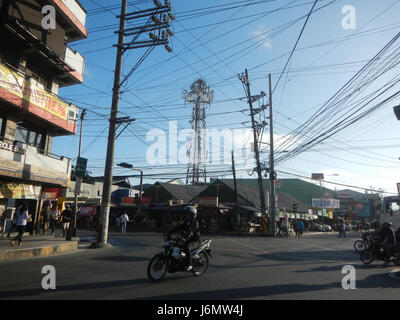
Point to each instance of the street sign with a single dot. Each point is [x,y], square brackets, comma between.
[80,169]
[78,185]
[317,176]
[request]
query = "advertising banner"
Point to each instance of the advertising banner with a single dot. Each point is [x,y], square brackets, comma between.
[19,191]
[326,203]
[19,86]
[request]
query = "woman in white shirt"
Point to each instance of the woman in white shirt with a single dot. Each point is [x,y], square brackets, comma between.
[22,219]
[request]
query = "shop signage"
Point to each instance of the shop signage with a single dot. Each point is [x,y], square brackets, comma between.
[208,202]
[87,211]
[326,203]
[19,191]
[46,175]
[11,147]
[11,168]
[16,84]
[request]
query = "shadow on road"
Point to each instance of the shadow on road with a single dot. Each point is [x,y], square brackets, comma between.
[123,259]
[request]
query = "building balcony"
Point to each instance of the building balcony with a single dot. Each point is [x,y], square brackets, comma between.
[73,12]
[21,96]
[24,162]
[76,61]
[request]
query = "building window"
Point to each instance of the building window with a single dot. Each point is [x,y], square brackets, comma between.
[30,137]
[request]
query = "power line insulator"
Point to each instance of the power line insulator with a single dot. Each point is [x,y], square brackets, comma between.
[156,20]
[168,4]
[157,3]
[171,16]
[168,48]
[170,33]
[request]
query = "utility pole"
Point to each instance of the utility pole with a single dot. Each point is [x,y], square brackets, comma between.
[236,194]
[159,20]
[272,173]
[244,78]
[78,180]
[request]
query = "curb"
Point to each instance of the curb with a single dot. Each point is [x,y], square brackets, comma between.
[9,255]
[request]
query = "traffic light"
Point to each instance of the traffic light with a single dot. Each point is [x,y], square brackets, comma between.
[294,207]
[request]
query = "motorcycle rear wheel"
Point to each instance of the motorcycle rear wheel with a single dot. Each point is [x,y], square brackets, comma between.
[157,268]
[200,265]
[366,256]
[359,245]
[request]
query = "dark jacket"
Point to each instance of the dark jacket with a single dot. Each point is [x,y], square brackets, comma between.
[67,215]
[190,230]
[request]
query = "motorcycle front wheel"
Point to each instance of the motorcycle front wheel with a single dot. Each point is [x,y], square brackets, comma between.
[157,268]
[200,265]
[366,256]
[359,245]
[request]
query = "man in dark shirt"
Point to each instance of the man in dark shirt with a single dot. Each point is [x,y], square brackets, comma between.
[190,229]
[387,235]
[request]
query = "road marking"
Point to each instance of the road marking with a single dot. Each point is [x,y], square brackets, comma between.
[392,273]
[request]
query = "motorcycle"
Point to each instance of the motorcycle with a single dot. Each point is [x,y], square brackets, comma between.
[172,259]
[363,244]
[376,252]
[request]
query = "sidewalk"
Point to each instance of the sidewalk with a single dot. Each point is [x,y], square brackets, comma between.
[35,246]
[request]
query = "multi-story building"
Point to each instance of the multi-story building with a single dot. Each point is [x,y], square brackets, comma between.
[35,61]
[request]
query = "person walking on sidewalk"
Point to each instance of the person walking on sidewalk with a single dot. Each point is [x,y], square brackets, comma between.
[22,218]
[55,215]
[124,220]
[66,218]
[46,216]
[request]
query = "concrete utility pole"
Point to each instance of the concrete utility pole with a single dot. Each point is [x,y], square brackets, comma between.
[159,20]
[272,173]
[108,170]
[256,126]
[78,179]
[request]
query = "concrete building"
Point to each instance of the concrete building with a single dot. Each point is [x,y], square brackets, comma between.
[35,61]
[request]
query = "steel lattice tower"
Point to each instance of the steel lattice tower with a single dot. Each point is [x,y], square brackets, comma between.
[200,96]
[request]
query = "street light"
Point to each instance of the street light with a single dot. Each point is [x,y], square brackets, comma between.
[129,166]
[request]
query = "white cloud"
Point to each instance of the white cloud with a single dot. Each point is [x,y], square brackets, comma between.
[261,34]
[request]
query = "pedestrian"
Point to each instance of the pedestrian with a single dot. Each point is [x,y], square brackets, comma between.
[66,218]
[13,222]
[295,226]
[22,219]
[124,220]
[340,229]
[300,228]
[55,215]
[46,216]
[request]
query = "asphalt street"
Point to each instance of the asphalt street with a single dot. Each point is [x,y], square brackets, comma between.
[241,268]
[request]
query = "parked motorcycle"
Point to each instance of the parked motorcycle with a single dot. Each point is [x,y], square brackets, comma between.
[363,244]
[376,252]
[172,259]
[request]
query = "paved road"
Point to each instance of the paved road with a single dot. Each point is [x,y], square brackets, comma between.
[241,268]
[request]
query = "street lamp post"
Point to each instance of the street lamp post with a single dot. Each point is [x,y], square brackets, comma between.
[129,166]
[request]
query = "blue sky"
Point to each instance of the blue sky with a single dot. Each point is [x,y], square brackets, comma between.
[216,41]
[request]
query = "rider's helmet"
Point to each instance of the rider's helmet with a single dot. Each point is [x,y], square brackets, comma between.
[387,224]
[190,213]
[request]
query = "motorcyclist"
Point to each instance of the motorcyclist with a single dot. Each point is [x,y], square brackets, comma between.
[387,235]
[190,235]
